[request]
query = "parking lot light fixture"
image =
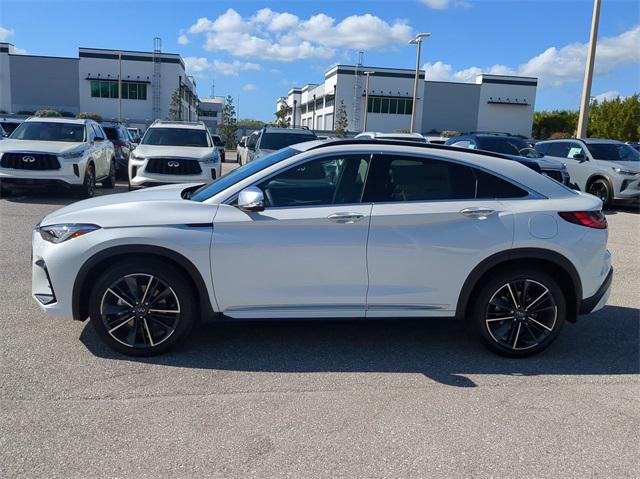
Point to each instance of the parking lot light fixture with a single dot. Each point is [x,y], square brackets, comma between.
[366,98]
[416,41]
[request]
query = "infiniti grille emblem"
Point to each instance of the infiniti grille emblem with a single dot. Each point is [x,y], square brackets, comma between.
[28,159]
[173,164]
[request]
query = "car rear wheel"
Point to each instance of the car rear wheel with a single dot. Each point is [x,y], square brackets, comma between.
[519,312]
[110,181]
[600,188]
[88,188]
[142,308]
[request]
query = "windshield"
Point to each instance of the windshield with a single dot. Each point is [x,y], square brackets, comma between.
[613,152]
[207,191]
[507,145]
[275,141]
[176,137]
[49,131]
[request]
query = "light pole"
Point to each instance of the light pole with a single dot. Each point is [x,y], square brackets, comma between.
[366,99]
[416,41]
[583,118]
[120,86]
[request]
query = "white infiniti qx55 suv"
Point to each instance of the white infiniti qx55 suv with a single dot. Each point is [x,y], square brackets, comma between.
[353,228]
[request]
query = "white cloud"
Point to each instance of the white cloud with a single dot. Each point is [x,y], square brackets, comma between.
[183,40]
[607,95]
[555,66]
[249,87]
[275,71]
[199,66]
[444,4]
[282,36]
[5,33]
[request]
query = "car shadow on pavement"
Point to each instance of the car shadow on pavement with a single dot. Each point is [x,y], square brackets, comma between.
[56,196]
[604,343]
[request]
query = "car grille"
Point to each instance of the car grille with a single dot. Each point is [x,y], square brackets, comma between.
[30,161]
[556,175]
[171,166]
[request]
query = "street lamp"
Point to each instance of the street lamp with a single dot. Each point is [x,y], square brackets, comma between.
[416,41]
[366,99]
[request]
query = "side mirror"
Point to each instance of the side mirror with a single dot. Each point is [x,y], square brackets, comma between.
[581,157]
[251,199]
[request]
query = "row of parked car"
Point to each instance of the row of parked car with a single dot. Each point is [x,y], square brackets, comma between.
[79,153]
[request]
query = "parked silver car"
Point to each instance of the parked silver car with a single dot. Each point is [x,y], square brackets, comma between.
[608,169]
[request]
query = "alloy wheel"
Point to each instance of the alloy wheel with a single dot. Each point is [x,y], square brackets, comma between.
[521,314]
[140,310]
[600,190]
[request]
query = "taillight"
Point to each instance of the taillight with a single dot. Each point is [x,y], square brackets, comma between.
[590,219]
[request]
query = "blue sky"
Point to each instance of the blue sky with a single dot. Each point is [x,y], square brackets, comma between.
[257,50]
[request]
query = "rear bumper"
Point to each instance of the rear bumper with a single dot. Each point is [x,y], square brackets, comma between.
[598,300]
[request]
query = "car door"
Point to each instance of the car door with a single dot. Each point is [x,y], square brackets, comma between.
[305,254]
[432,222]
[564,151]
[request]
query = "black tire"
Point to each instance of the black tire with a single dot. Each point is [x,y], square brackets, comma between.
[110,181]
[526,329]
[148,331]
[88,188]
[602,190]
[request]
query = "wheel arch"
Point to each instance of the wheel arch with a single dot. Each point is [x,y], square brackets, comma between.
[95,265]
[600,176]
[558,265]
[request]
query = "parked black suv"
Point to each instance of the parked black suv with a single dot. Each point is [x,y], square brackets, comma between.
[118,135]
[516,148]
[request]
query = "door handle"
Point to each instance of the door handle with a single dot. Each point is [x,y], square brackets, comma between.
[345,218]
[478,213]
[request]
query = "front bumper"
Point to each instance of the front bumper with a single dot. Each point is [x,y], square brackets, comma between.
[70,173]
[598,300]
[139,177]
[629,188]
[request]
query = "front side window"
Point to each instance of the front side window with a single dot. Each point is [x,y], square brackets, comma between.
[614,152]
[326,181]
[49,131]
[575,149]
[176,137]
[398,178]
[559,149]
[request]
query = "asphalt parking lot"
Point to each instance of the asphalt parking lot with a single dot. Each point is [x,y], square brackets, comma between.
[322,399]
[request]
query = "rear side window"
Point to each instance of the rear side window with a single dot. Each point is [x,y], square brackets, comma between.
[397,178]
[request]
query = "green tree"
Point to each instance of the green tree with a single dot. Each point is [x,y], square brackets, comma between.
[229,124]
[547,123]
[616,119]
[87,115]
[282,116]
[342,121]
[175,106]
[47,114]
[250,124]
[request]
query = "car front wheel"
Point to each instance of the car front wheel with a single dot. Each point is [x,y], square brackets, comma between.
[88,188]
[600,188]
[142,308]
[110,181]
[519,313]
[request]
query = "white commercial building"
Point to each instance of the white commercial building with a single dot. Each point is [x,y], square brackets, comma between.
[493,103]
[152,83]
[210,112]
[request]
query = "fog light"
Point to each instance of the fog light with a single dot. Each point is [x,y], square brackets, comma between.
[213,174]
[76,170]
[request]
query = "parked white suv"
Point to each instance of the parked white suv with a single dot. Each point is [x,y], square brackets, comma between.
[608,169]
[57,151]
[174,152]
[332,229]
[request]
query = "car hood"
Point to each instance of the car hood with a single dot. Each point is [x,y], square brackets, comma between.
[162,205]
[175,151]
[625,165]
[549,163]
[33,146]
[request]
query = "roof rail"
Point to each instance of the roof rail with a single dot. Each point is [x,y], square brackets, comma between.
[428,146]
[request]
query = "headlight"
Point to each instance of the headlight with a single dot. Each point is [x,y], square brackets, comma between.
[72,155]
[622,171]
[63,232]
[135,156]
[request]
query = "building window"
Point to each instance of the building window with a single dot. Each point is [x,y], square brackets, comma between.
[109,89]
[390,106]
